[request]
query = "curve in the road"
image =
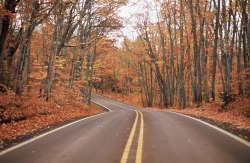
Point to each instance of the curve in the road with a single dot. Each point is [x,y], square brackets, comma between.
[130,134]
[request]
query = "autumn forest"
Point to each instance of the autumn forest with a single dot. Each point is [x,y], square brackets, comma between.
[183,54]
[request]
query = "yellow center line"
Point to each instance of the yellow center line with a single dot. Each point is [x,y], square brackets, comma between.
[140,141]
[129,142]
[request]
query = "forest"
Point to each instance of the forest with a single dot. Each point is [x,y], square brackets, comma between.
[190,52]
[184,54]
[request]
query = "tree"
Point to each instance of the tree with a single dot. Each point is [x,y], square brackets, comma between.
[8,9]
[31,21]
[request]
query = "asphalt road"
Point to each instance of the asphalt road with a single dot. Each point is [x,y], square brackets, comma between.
[130,134]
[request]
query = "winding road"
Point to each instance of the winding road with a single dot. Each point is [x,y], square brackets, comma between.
[129,134]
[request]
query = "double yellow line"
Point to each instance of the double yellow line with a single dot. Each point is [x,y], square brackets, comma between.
[130,139]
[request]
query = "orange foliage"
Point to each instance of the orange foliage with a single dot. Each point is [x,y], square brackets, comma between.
[237,112]
[21,116]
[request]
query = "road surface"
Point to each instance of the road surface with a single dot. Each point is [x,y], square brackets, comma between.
[130,134]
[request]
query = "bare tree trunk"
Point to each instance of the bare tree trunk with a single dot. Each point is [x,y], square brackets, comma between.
[10,6]
[217,10]
[52,60]
[239,64]
[141,88]
[21,67]
[62,34]
[172,66]
[226,56]
[182,91]
[203,52]
[197,69]
[189,67]
[25,49]
[159,77]
[12,47]
[28,87]
[146,81]
[73,69]
[92,63]
[247,58]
